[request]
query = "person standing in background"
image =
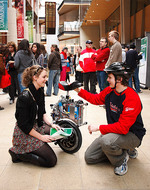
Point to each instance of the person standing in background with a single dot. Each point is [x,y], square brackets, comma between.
[64,61]
[132,59]
[13,72]
[77,68]
[45,55]
[115,50]
[54,66]
[101,58]
[89,67]
[2,68]
[23,59]
[38,55]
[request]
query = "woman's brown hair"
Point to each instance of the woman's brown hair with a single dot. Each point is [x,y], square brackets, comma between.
[27,76]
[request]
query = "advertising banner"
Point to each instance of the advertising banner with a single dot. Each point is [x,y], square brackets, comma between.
[20,18]
[30,26]
[143,62]
[3,16]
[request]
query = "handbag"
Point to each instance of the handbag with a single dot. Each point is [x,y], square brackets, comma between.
[5,80]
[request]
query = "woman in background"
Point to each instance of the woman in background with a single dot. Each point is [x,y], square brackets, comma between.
[13,72]
[45,55]
[23,59]
[64,61]
[38,56]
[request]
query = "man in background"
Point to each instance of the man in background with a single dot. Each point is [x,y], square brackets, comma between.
[54,65]
[115,50]
[89,67]
[101,58]
[132,60]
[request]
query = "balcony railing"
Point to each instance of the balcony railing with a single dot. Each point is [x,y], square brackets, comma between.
[70,27]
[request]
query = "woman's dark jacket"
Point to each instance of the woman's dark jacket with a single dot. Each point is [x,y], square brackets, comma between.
[11,66]
[27,107]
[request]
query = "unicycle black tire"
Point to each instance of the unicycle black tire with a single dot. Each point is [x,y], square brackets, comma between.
[72,143]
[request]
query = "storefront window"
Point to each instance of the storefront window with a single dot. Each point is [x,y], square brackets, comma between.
[113,20]
[137,5]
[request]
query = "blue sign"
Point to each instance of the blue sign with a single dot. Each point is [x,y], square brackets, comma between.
[3,16]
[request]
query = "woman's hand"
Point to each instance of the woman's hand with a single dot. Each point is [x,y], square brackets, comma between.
[93,128]
[47,138]
[57,127]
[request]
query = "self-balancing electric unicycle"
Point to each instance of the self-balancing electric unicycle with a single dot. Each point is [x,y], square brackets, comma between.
[68,113]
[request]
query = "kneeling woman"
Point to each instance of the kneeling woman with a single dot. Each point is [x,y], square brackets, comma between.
[31,133]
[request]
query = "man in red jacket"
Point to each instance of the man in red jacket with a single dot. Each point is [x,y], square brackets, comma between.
[125,130]
[101,58]
[89,67]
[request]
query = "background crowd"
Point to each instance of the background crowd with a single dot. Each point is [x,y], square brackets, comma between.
[88,65]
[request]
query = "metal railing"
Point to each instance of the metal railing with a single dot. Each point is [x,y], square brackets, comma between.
[69,27]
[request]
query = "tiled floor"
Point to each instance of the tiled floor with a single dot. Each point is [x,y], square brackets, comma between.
[71,171]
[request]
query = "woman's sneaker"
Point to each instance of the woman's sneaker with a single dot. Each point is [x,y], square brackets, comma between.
[121,170]
[133,153]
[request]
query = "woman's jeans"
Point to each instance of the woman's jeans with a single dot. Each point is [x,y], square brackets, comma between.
[20,82]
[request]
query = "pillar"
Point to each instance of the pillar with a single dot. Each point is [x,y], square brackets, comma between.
[12,25]
[125,21]
[102,28]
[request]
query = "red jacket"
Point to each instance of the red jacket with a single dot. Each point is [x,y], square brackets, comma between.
[123,110]
[101,58]
[86,62]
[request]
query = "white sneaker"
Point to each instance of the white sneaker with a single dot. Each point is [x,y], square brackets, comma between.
[133,153]
[121,170]
[11,101]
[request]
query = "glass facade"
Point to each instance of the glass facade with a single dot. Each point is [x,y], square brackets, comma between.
[113,20]
[137,5]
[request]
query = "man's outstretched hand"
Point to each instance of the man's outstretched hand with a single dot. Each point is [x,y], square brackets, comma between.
[93,128]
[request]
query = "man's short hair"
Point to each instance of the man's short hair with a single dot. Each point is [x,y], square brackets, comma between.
[104,38]
[115,34]
[132,46]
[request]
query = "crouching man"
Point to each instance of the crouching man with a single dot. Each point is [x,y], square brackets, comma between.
[124,131]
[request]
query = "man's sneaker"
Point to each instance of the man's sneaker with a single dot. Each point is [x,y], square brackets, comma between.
[133,153]
[121,170]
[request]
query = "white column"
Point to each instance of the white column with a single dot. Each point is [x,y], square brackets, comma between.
[102,28]
[26,32]
[12,25]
